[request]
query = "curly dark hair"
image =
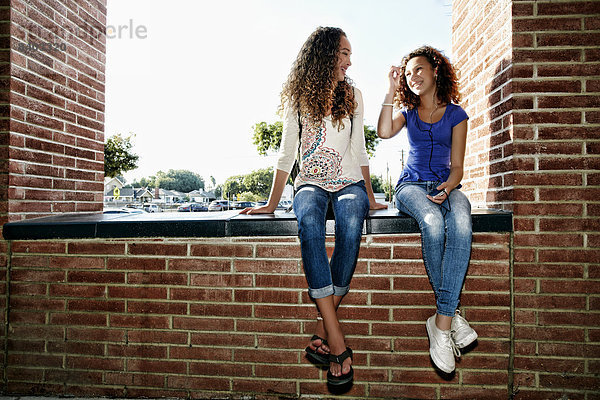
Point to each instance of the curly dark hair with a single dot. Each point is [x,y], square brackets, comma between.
[312,86]
[446,82]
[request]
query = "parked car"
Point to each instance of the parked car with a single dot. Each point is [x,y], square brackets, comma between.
[124,210]
[284,204]
[186,207]
[240,205]
[197,207]
[192,207]
[152,208]
[218,205]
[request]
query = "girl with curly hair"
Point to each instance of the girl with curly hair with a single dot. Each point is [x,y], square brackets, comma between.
[323,116]
[425,89]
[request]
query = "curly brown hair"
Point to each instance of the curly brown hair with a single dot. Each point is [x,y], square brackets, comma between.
[446,82]
[312,86]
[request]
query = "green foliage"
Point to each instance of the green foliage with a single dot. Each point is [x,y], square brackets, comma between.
[233,185]
[371,140]
[218,191]
[118,157]
[267,137]
[257,182]
[249,196]
[180,180]
[381,186]
[378,184]
[145,182]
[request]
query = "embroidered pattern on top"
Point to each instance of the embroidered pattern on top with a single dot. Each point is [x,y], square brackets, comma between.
[321,165]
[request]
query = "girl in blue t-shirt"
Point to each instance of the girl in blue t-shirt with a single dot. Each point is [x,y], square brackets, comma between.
[425,89]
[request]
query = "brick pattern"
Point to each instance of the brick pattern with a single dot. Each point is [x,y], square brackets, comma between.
[4,135]
[197,317]
[533,95]
[481,37]
[54,150]
[556,96]
[205,317]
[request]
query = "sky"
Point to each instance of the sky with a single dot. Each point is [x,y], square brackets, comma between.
[190,79]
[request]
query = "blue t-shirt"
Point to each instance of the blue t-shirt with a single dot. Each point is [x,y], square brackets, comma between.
[420,135]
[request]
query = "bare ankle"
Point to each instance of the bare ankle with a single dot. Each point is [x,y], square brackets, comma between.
[443,322]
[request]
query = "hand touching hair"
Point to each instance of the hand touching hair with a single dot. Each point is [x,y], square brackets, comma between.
[446,81]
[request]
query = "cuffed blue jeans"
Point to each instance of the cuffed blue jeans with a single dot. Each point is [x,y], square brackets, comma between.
[350,208]
[446,234]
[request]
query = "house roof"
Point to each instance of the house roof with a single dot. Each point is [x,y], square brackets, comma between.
[202,193]
[130,192]
[116,181]
[174,193]
[139,192]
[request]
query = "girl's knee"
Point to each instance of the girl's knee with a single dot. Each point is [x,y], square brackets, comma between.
[433,227]
[462,224]
[433,221]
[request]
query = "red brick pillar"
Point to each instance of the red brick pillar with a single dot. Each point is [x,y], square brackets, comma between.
[52,129]
[4,129]
[530,71]
[482,52]
[52,57]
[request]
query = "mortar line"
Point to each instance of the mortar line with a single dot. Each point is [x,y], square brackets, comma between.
[7,313]
[511,356]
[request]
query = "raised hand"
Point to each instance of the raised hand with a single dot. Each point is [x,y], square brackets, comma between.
[395,76]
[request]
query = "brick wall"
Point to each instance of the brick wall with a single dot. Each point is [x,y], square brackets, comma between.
[188,317]
[557,193]
[531,72]
[53,140]
[481,38]
[4,134]
[193,317]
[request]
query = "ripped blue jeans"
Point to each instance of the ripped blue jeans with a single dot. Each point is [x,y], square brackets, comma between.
[446,233]
[350,208]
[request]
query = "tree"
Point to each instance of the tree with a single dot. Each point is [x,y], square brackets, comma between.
[256,182]
[180,180]
[213,182]
[259,182]
[378,184]
[218,191]
[234,185]
[144,182]
[118,157]
[248,196]
[267,137]
[371,140]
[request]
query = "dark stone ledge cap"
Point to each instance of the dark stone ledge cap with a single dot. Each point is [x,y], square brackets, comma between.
[217,224]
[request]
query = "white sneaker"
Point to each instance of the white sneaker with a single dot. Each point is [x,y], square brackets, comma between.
[462,333]
[441,346]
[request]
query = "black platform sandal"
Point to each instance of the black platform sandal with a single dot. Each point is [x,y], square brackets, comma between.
[339,359]
[313,355]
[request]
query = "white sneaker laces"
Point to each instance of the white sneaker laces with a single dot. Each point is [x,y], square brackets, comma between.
[455,349]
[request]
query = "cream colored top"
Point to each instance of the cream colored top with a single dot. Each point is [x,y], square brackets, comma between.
[330,159]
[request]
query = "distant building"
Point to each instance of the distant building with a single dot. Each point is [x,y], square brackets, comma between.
[125,194]
[200,196]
